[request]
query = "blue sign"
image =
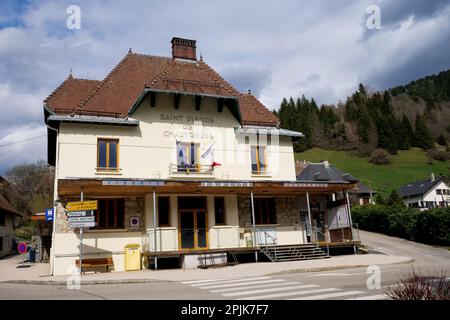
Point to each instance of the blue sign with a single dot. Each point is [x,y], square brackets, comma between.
[49,214]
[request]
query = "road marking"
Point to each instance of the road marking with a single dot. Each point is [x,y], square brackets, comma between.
[257,286]
[329,295]
[240,284]
[374,297]
[243,293]
[288,294]
[200,281]
[346,274]
[230,281]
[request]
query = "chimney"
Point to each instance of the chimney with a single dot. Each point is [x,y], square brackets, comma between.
[326,164]
[184,49]
[432,177]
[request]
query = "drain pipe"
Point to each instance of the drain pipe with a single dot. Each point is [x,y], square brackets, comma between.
[154,228]
[55,197]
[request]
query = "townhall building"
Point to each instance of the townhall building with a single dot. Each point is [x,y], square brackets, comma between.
[184,165]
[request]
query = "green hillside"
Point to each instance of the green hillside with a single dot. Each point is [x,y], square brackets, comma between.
[406,166]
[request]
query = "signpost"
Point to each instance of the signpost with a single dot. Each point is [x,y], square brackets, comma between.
[22,248]
[81,205]
[80,214]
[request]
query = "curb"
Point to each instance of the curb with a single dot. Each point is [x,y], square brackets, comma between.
[318,269]
[131,281]
[83,282]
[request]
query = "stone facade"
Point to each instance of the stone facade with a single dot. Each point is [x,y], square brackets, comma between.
[287,212]
[134,207]
[244,212]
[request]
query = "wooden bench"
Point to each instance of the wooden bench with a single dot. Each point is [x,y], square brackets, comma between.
[95,262]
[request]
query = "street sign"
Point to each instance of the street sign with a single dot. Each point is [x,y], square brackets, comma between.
[82,224]
[22,247]
[81,219]
[49,214]
[81,205]
[89,213]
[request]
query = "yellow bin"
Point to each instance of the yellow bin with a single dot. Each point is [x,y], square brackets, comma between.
[132,257]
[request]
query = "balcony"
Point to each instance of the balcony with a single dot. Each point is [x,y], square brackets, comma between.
[191,170]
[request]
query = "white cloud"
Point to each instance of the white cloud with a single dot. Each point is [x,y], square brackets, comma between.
[280,46]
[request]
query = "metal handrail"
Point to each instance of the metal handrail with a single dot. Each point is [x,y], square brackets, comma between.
[314,229]
[267,235]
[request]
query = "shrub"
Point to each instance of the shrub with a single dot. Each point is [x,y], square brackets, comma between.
[417,286]
[438,155]
[380,156]
[431,226]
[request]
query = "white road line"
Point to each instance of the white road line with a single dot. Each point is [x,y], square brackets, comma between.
[256,286]
[374,297]
[243,293]
[288,294]
[329,295]
[346,274]
[199,281]
[240,284]
[230,281]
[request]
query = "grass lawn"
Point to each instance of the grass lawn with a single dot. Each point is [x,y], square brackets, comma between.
[406,166]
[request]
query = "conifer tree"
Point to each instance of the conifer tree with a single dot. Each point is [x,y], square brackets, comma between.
[422,136]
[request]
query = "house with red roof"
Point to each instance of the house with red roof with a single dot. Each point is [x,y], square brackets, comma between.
[183,165]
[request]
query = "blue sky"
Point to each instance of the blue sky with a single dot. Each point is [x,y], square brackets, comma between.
[322,49]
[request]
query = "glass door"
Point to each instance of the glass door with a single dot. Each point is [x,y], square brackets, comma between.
[187,229]
[193,229]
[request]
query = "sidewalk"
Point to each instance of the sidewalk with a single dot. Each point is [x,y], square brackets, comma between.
[40,273]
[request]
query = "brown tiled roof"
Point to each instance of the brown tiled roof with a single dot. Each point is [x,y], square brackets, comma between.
[117,93]
[6,206]
[123,85]
[255,113]
[70,93]
[192,77]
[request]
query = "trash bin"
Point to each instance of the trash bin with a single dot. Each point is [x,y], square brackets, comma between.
[31,254]
[132,257]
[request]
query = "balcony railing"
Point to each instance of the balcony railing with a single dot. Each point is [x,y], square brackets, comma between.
[187,169]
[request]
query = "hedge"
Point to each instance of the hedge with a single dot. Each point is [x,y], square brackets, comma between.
[431,226]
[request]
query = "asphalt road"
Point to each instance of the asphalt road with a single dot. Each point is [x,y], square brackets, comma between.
[338,284]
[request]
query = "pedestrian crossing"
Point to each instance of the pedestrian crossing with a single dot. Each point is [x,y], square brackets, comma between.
[266,288]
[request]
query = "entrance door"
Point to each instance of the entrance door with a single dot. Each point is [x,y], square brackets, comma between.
[192,229]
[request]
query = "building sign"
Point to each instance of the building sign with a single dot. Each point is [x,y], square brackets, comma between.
[226,184]
[185,119]
[132,183]
[305,185]
[49,214]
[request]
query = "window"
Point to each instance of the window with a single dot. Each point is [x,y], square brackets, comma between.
[439,191]
[265,210]
[2,219]
[219,210]
[188,156]
[107,155]
[110,214]
[163,211]
[259,159]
